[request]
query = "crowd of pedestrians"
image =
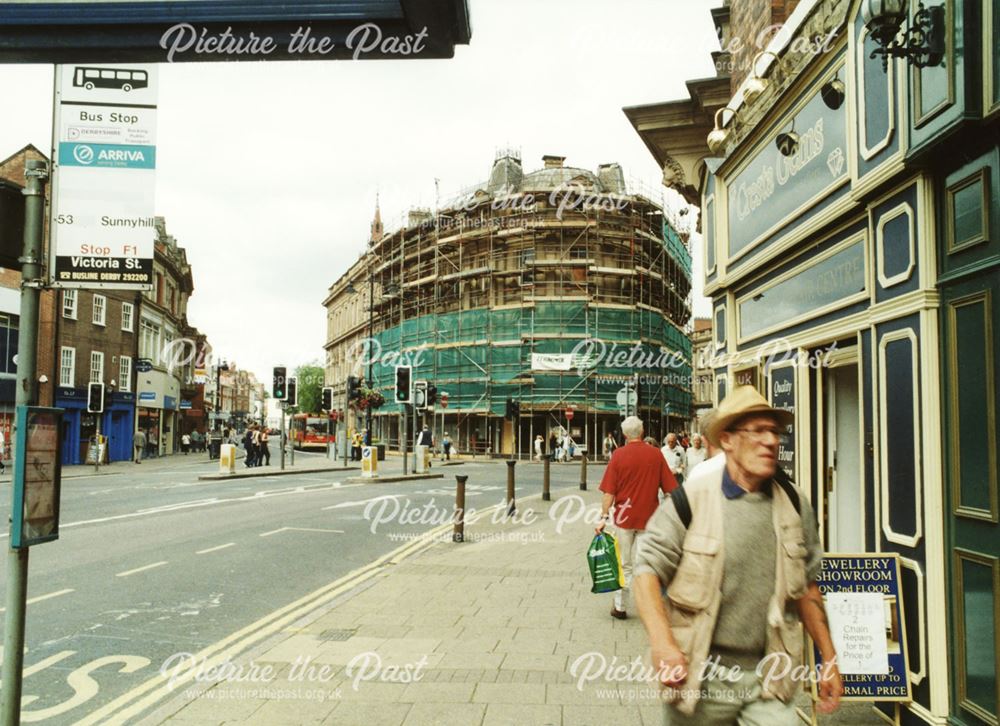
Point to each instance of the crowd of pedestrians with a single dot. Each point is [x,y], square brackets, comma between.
[255,441]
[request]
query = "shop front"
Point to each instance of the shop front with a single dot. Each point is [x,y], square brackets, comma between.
[852,249]
[158,404]
[80,427]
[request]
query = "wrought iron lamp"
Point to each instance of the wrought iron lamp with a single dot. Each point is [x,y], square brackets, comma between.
[922,43]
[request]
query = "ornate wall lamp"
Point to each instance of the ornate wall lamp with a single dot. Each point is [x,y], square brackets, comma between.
[718,135]
[922,44]
[756,84]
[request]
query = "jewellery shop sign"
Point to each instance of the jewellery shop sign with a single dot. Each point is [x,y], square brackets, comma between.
[865,610]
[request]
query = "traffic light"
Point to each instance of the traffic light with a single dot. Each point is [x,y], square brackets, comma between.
[353,388]
[278,389]
[508,411]
[327,399]
[404,384]
[432,394]
[515,410]
[420,394]
[291,395]
[95,398]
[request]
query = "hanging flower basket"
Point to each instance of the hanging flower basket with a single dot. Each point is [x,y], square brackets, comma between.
[369,398]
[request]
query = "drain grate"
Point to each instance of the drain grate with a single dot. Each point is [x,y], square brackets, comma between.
[337,634]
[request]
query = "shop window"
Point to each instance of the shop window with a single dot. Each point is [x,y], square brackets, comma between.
[968,205]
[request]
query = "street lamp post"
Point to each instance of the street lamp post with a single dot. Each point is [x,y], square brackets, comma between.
[368,376]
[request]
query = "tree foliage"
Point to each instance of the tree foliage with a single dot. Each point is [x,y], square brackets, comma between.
[310,388]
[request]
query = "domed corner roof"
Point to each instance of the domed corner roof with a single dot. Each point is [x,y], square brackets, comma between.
[548,179]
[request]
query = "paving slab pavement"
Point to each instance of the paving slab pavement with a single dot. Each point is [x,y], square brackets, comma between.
[499,629]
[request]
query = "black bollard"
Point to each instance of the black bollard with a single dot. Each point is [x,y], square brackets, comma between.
[583,473]
[459,534]
[545,478]
[511,509]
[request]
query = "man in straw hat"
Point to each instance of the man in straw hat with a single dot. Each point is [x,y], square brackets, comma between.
[739,555]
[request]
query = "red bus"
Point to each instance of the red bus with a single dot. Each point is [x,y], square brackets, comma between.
[310,431]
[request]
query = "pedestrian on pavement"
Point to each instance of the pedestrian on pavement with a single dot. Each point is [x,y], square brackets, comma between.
[248,444]
[634,477]
[539,445]
[673,452]
[138,445]
[553,443]
[694,455]
[263,452]
[186,443]
[740,568]
[356,441]
[609,445]
[446,446]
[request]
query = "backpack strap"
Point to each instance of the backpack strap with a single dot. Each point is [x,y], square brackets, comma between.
[785,482]
[682,505]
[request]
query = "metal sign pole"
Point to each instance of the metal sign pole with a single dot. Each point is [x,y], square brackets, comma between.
[36,174]
[281,407]
[97,443]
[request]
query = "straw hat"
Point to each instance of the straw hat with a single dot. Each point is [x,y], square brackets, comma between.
[742,402]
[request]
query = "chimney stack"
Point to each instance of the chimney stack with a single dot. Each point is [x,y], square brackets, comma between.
[553,162]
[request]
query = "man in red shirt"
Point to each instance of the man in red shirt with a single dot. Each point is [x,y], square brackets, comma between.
[632,482]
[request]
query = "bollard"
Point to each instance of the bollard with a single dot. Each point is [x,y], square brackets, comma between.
[583,473]
[459,533]
[546,463]
[511,509]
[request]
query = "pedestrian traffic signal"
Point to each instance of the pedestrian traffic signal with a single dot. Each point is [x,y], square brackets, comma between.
[327,404]
[291,394]
[420,394]
[404,384]
[353,388]
[279,388]
[95,398]
[432,394]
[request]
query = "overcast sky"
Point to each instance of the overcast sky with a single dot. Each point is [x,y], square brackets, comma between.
[267,172]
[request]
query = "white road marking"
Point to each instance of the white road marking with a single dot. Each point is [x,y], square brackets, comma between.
[214,549]
[141,569]
[193,504]
[344,505]
[301,529]
[32,601]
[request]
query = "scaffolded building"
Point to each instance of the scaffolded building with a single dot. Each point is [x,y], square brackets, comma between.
[560,289]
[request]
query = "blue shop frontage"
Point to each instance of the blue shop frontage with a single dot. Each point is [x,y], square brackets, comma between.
[117,423]
[851,226]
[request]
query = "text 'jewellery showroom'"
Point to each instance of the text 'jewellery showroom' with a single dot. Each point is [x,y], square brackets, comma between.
[852,244]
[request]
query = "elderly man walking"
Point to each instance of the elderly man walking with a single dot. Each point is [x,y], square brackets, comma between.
[739,554]
[632,481]
[673,453]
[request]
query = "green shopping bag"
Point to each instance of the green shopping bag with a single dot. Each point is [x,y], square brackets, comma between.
[605,564]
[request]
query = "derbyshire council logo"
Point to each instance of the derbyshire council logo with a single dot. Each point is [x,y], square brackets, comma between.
[83,154]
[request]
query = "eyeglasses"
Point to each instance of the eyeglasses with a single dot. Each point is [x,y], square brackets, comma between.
[761,434]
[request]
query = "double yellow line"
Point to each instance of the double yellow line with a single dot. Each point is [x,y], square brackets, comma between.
[148,694]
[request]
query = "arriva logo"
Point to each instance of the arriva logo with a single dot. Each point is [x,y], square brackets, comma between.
[121,155]
[83,154]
